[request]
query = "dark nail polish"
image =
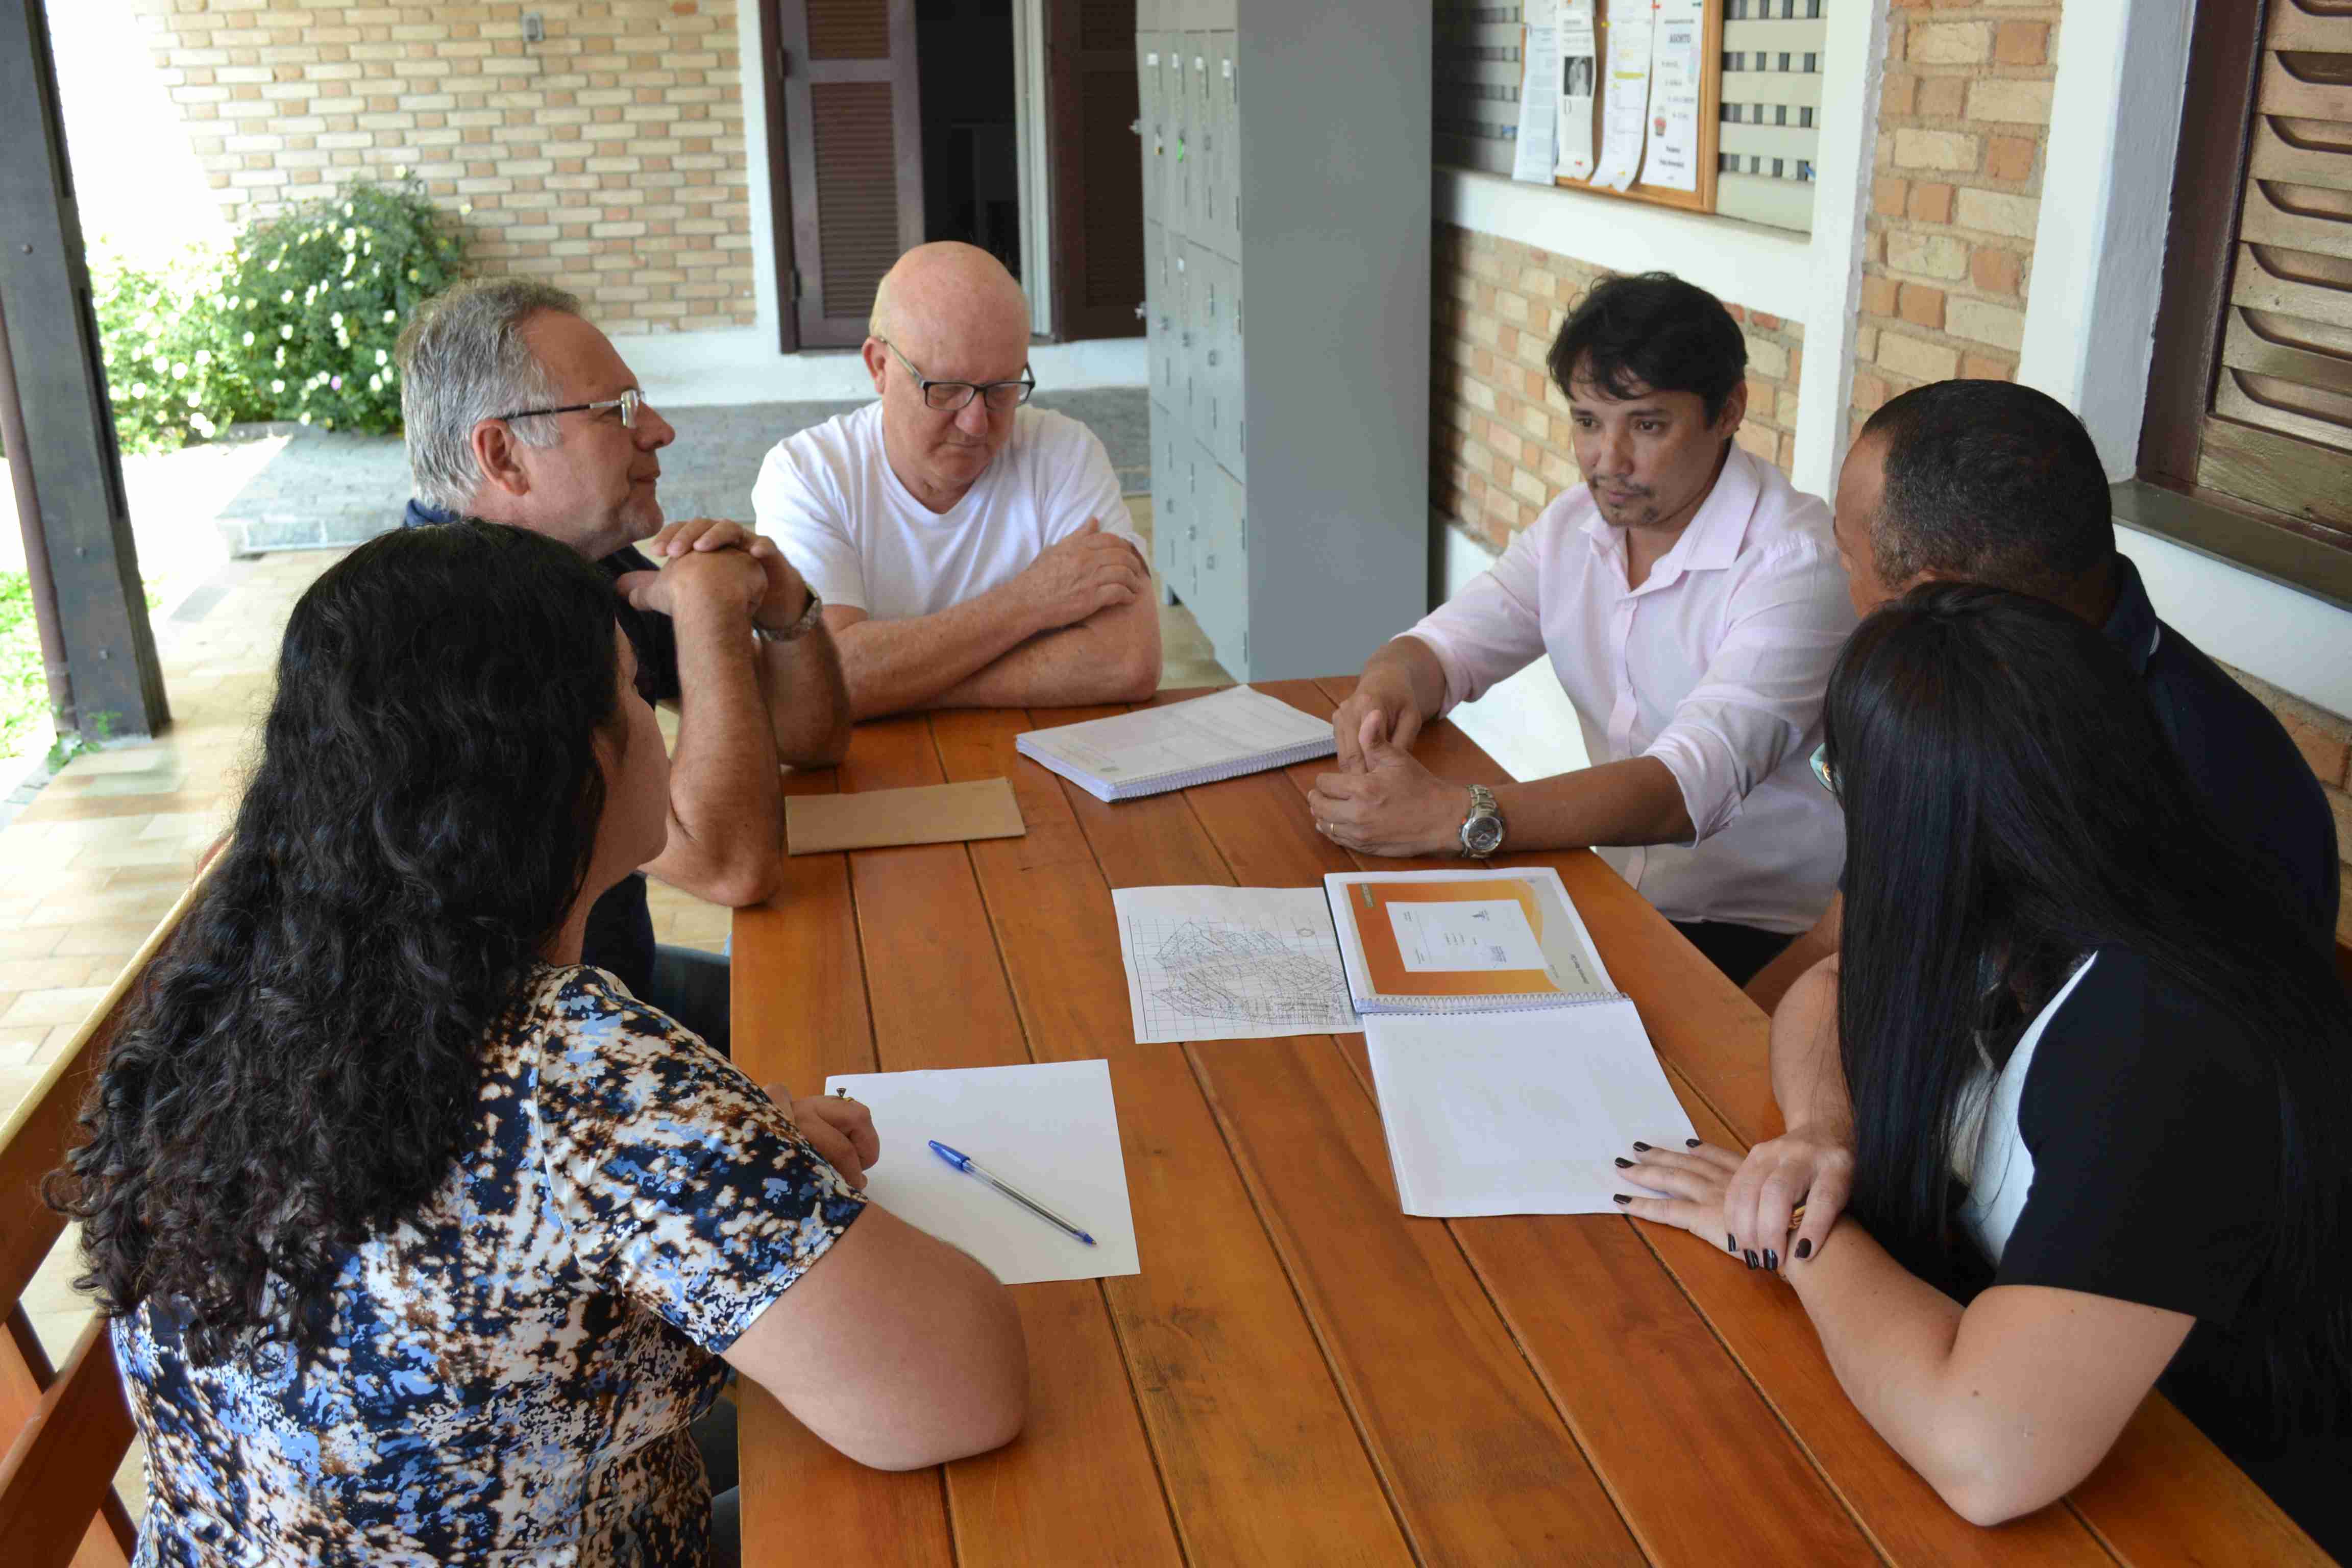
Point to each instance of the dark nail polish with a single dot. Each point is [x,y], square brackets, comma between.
[1751,1260]
[1805,1249]
[1624,1163]
[1771,1258]
[1690,1142]
[1730,1244]
[1641,1148]
[1623,1197]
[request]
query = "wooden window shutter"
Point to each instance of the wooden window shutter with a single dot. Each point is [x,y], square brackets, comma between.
[2277,429]
[1098,171]
[852,119]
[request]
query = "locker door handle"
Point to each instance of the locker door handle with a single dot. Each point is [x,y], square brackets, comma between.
[1187,340]
[1135,127]
[1213,356]
[1141,314]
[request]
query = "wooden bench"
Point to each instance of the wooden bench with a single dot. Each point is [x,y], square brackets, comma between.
[65,1430]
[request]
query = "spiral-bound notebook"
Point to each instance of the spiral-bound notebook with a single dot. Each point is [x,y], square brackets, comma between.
[1462,941]
[1223,735]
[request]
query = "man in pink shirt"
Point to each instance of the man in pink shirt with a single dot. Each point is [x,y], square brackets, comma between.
[1691,604]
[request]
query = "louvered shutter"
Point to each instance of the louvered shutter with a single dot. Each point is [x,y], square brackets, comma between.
[1098,178]
[1476,88]
[853,118]
[1771,99]
[2278,431]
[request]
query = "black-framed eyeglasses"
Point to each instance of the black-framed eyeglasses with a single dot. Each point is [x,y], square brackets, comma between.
[628,403]
[949,395]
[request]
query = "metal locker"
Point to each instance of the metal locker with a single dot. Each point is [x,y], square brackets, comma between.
[1204,295]
[1224,120]
[1155,297]
[1200,104]
[1176,172]
[1171,366]
[1149,127]
[1225,369]
[1221,600]
[1171,504]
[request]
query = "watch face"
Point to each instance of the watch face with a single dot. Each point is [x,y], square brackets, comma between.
[1484,835]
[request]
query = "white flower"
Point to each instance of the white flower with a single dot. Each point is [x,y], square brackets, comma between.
[204,357]
[388,317]
[138,389]
[273,266]
[336,321]
[179,371]
[287,331]
[248,340]
[277,386]
[381,357]
[287,298]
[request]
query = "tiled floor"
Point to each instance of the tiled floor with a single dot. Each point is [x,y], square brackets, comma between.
[103,851]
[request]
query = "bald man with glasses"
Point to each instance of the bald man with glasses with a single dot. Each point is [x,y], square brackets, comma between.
[971,551]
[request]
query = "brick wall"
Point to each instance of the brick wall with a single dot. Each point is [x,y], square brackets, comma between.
[609,158]
[1955,194]
[1499,449]
[2326,740]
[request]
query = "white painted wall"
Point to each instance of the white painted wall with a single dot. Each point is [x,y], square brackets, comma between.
[2106,195]
[2293,640]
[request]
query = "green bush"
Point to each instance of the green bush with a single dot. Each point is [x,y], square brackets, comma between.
[25,719]
[160,331]
[297,321]
[313,302]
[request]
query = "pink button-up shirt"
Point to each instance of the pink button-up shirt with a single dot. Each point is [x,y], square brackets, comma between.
[1716,666]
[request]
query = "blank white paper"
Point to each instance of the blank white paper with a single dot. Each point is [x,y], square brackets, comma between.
[1050,1128]
[1520,1112]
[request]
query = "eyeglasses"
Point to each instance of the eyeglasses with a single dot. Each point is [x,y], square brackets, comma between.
[1822,768]
[628,403]
[946,396]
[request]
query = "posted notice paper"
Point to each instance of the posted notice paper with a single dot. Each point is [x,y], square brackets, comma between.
[1672,161]
[1050,1128]
[1535,151]
[1520,1113]
[1576,55]
[1625,101]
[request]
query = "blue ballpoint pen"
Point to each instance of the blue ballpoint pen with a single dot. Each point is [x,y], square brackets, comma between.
[970,1167]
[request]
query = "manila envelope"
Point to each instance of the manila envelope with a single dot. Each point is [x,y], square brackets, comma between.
[928,814]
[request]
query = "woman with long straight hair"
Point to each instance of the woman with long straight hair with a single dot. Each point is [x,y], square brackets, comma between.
[2101,1085]
[423,1242]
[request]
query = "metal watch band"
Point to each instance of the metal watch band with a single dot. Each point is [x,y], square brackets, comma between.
[1483,808]
[798,628]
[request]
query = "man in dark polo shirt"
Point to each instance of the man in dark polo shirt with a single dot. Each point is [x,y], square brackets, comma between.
[1986,481]
[518,411]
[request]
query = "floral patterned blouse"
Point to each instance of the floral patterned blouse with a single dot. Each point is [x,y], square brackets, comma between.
[506,1377]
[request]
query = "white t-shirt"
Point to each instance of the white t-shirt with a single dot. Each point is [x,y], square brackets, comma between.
[828,497]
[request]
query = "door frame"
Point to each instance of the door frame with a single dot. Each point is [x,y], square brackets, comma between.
[1032,150]
[773,65]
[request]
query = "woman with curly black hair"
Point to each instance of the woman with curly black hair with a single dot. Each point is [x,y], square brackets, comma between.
[2098,1077]
[423,1242]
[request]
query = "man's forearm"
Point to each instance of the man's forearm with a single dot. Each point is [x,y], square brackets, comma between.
[1413,664]
[1771,983]
[1636,801]
[808,701]
[890,665]
[726,801]
[1808,1073]
[1113,656]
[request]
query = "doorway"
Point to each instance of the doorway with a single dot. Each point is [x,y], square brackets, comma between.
[972,161]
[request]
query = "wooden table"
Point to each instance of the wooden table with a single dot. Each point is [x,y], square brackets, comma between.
[1301,1373]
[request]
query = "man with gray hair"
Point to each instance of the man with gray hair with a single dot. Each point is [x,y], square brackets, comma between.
[520,412]
[972,552]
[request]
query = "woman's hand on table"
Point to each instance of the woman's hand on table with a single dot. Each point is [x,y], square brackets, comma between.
[1805,1174]
[1693,1181]
[841,1130]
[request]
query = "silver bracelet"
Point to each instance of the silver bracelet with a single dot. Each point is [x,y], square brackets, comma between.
[799,628]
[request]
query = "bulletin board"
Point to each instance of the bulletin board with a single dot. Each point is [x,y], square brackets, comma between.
[1708,128]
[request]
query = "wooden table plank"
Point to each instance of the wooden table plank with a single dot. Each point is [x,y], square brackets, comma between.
[1069,1488]
[1441,1391]
[1260,1461]
[797,1005]
[1691,1453]
[1714,1040]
